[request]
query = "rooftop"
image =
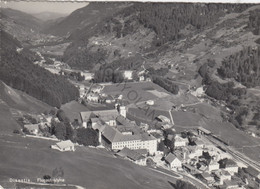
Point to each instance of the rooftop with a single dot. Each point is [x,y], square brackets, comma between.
[170,158]
[32,126]
[64,144]
[204,130]
[85,116]
[132,154]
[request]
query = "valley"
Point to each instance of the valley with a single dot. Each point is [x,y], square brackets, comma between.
[167,70]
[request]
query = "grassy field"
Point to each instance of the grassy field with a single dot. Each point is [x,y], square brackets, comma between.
[19,100]
[91,168]
[7,123]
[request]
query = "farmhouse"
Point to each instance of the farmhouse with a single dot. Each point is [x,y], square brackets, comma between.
[173,161]
[64,146]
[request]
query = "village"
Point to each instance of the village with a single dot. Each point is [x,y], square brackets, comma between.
[157,144]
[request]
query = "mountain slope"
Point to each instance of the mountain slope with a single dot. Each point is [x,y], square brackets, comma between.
[141,29]
[86,16]
[22,26]
[18,71]
[45,16]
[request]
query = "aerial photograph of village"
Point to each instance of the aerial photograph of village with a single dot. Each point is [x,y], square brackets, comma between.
[129,95]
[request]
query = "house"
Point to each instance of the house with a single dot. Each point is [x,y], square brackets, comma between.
[128,74]
[180,142]
[110,99]
[252,172]
[141,78]
[97,88]
[231,166]
[87,75]
[64,146]
[194,151]
[230,184]
[150,102]
[133,155]
[192,170]
[221,175]
[109,116]
[213,166]
[92,97]
[200,143]
[173,161]
[122,111]
[206,177]
[32,128]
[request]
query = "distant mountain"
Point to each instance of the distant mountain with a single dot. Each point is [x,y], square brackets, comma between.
[84,17]
[18,71]
[21,18]
[45,16]
[22,26]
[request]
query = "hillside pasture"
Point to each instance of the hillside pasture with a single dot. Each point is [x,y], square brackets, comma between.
[87,167]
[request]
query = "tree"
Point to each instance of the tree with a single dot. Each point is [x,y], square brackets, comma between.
[59,130]
[46,177]
[183,185]
[170,144]
[87,137]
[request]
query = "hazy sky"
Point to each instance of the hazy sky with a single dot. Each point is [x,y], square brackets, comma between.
[37,7]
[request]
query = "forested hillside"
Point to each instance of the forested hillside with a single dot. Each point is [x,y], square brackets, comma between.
[243,66]
[83,17]
[18,71]
[166,20]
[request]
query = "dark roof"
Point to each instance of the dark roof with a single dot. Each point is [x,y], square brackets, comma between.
[230,163]
[131,154]
[252,171]
[170,158]
[85,116]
